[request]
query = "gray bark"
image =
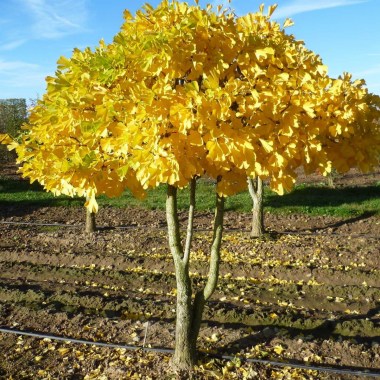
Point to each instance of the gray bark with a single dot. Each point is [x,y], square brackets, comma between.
[331,180]
[255,187]
[184,355]
[188,315]
[90,222]
[203,295]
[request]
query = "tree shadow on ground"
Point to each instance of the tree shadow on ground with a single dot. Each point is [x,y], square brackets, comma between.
[33,197]
[264,333]
[18,185]
[23,208]
[344,222]
[38,297]
[313,196]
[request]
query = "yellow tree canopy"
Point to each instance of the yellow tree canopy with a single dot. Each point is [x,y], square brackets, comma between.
[184,91]
[66,143]
[353,137]
[230,97]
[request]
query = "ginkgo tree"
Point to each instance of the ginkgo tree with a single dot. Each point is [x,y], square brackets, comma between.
[185,92]
[230,98]
[351,141]
[65,145]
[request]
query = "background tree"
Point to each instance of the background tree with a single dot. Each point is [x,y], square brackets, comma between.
[185,92]
[13,113]
[66,146]
[256,191]
[352,117]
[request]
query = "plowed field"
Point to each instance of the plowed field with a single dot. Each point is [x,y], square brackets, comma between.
[309,293]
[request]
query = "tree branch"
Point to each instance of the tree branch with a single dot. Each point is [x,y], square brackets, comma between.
[190,221]
[203,295]
[252,186]
[215,249]
[173,223]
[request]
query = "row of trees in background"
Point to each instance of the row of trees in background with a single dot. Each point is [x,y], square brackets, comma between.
[13,113]
[184,92]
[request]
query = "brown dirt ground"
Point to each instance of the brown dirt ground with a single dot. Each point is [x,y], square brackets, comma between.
[309,293]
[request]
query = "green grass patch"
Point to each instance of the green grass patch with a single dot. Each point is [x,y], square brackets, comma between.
[306,199]
[20,192]
[322,200]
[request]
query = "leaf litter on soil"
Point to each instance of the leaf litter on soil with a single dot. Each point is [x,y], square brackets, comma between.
[313,299]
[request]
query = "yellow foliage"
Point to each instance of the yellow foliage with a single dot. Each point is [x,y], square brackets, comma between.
[183,91]
[5,139]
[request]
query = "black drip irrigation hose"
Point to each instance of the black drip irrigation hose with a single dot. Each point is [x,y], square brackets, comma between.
[366,372]
[369,236]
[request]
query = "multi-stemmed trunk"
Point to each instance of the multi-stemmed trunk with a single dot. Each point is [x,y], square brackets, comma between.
[255,186]
[189,311]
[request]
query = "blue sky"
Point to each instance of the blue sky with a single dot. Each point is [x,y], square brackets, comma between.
[35,33]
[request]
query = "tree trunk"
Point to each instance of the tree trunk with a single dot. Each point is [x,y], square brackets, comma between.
[90,222]
[185,343]
[184,355]
[212,279]
[188,315]
[331,180]
[255,186]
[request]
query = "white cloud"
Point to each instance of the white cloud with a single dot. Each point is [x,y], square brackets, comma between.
[375,70]
[21,79]
[12,44]
[54,19]
[45,19]
[7,66]
[300,6]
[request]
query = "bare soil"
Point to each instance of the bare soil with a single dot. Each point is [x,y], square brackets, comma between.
[308,293]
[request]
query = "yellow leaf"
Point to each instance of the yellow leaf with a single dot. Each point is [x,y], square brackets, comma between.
[335,129]
[267,145]
[195,138]
[91,204]
[271,9]
[63,62]
[263,53]
[215,151]
[192,86]
[127,15]
[63,350]
[283,77]
[288,22]
[322,69]
[5,139]
[280,160]
[278,349]
[309,108]
[79,355]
